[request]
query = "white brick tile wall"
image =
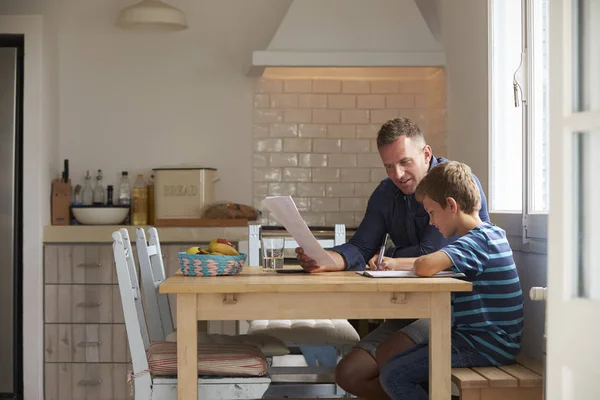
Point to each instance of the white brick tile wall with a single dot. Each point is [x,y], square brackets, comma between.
[314,139]
[313,160]
[312,101]
[284,100]
[339,189]
[356,175]
[369,160]
[284,160]
[326,86]
[341,101]
[326,116]
[356,87]
[311,189]
[283,130]
[342,160]
[282,189]
[327,146]
[324,204]
[355,145]
[355,116]
[298,86]
[261,160]
[296,174]
[297,115]
[325,175]
[261,130]
[312,130]
[266,145]
[341,131]
[296,145]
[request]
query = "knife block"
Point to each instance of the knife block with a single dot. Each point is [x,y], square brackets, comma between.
[60,202]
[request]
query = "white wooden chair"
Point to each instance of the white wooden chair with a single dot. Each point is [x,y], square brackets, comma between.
[149,385]
[158,310]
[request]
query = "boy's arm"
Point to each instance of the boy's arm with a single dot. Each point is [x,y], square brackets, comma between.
[431,264]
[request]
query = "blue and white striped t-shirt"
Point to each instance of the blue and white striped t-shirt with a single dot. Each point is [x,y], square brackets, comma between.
[490,318]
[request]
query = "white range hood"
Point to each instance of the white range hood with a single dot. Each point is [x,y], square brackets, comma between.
[355,33]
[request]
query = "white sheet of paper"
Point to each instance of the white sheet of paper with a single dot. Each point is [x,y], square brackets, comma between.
[284,210]
[408,274]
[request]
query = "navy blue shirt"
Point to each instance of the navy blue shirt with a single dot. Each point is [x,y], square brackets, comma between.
[404,218]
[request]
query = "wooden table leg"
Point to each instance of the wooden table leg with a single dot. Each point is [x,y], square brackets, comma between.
[187,347]
[439,347]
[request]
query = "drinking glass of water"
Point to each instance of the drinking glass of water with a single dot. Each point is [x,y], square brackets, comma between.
[272,250]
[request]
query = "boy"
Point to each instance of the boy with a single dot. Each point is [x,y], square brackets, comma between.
[487,322]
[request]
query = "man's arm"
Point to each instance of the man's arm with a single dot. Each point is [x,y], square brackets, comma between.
[310,265]
[431,264]
[483,212]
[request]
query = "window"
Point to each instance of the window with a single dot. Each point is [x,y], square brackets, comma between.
[519,117]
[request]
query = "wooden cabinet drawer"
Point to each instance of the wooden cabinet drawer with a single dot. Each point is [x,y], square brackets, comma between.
[77,263]
[85,343]
[65,381]
[82,304]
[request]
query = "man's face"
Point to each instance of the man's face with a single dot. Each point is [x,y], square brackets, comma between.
[406,162]
[444,219]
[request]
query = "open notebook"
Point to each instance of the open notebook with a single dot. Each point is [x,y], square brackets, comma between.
[408,274]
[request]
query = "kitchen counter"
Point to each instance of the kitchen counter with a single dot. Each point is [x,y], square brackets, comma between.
[102,233]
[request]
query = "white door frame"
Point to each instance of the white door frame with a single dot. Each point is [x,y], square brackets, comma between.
[573,352]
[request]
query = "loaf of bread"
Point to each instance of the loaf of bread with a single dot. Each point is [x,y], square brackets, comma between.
[224,210]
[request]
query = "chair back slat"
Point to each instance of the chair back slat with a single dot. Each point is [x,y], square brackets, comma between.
[135,323]
[155,325]
[159,275]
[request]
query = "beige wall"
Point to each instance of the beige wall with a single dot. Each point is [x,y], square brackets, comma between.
[315,130]
[133,101]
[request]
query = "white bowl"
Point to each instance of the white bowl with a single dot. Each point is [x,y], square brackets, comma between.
[100,215]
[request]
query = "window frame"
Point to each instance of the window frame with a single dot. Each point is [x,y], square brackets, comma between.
[527,230]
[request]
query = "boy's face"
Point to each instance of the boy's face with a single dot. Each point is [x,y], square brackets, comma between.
[444,219]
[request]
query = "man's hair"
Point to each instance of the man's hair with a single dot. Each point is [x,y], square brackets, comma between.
[395,128]
[451,179]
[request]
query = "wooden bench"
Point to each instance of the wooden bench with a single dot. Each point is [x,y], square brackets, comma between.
[521,381]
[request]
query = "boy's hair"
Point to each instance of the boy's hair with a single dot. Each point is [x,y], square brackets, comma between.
[451,179]
[395,128]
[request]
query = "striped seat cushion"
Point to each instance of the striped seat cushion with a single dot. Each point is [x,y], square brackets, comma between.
[270,346]
[213,359]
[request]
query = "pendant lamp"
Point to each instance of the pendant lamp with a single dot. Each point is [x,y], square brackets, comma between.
[152,15]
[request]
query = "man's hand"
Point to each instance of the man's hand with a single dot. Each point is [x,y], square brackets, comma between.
[391,264]
[310,265]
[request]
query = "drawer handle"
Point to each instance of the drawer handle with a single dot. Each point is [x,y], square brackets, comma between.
[89,344]
[90,304]
[90,382]
[90,265]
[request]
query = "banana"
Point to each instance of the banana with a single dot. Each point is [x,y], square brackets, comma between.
[223,247]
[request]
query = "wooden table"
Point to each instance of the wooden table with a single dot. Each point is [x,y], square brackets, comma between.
[257,295]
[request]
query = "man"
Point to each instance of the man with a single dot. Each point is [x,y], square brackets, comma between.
[392,209]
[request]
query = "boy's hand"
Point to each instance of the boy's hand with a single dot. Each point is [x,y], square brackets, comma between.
[391,264]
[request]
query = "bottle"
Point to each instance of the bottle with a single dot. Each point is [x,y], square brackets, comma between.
[88,192]
[99,190]
[124,190]
[140,201]
[151,200]
[109,195]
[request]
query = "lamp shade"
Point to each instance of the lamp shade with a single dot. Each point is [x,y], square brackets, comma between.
[152,15]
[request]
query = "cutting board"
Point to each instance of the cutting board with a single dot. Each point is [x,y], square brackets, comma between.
[200,222]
